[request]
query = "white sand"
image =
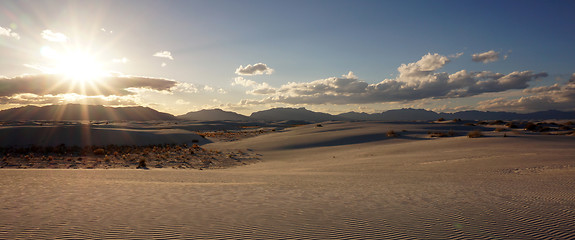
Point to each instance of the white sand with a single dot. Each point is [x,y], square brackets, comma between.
[339,181]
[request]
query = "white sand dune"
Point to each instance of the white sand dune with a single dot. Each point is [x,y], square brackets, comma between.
[339,181]
[82,135]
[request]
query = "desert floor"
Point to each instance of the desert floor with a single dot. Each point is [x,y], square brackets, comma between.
[340,180]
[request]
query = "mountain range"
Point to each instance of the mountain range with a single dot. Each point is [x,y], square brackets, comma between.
[83,112]
[96,112]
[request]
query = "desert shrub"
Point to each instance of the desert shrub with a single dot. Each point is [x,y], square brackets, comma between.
[392,133]
[496,122]
[474,134]
[142,164]
[99,151]
[469,124]
[530,126]
[482,123]
[441,119]
[545,129]
[511,125]
[499,129]
[318,125]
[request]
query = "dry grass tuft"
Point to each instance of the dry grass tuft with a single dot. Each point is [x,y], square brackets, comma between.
[474,134]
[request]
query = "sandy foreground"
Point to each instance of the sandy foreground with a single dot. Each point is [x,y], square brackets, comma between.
[338,181]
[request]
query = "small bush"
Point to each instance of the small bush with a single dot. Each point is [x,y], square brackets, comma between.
[474,134]
[496,122]
[142,164]
[99,151]
[441,119]
[392,133]
[318,125]
[511,125]
[531,126]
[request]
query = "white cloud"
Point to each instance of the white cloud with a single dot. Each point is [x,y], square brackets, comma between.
[7,32]
[243,82]
[262,89]
[558,97]
[257,88]
[416,81]
[164,54]
[486,57]
[256,69]
[54,36]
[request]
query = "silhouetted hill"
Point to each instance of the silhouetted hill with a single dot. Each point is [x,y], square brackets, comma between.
[214,115]
[301,114]
[82,112]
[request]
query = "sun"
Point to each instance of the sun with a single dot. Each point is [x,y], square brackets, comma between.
[75,65]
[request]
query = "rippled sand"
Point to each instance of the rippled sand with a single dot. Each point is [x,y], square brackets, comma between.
[338,181]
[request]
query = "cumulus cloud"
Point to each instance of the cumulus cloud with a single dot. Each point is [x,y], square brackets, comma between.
[164,54]
[262,89]
[54,36]
[7,32]
[257,88]
[256,69]
[416,81]
[486,57]
[53,84]
[243,82]
[559,97]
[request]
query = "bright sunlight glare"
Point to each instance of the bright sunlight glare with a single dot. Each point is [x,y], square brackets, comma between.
[78,66]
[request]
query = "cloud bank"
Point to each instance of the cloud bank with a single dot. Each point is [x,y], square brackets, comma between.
[416,81]
[557,96]
[7,32]
[486,57]
[256,69]
[53,84]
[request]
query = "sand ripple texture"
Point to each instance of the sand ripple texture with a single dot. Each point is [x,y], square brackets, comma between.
[171,204]
[453,188]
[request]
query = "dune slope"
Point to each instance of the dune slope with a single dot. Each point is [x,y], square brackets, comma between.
[341,180]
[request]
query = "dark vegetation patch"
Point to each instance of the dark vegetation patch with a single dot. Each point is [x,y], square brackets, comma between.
[114,156]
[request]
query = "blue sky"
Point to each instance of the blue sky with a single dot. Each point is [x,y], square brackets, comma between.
[180,56]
